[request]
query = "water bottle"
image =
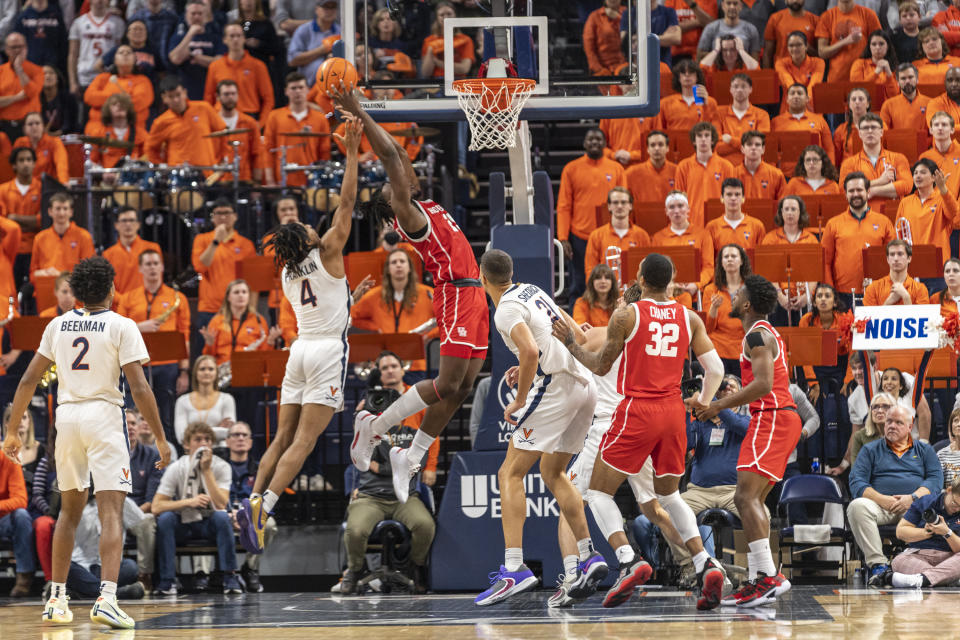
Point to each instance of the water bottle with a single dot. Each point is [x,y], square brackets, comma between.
[815,466]
[697,99]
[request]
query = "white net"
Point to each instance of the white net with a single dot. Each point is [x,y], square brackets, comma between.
[492,107]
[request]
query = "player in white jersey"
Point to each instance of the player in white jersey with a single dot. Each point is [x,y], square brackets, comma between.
[91,35]
[314,281]
[552,410]
[92,348]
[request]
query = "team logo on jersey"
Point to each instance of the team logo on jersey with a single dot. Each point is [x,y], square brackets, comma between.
[524,436]
[764,183]
[671,182]
[876,227]
[609,177]
[196,118]
[716,176]
[461,332]
[125,477]
[73,245]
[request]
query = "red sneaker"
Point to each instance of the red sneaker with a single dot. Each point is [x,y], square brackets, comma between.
[711,585]
[631,576]
[745,591]
[766,590]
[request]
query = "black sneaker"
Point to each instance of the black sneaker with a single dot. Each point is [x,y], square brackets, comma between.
[631,576]
[135,591]
[710,585]
[201,582]
[252,579]
[348,584]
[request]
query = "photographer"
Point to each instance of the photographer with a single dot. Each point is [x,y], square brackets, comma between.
[374,499]
[930,528]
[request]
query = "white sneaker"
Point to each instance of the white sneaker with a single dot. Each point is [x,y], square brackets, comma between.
[106,611]
[402,472]
[57,611]
[561,598]
[364,440]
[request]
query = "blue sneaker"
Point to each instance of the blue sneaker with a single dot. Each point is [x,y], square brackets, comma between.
[248,533]
[590,573]
[879,575]
[504,584]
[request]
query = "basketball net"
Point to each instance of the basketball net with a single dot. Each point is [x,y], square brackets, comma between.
[492,106]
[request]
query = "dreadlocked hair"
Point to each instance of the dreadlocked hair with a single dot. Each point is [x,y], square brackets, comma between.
[290,243]
[377,209]
[91,280]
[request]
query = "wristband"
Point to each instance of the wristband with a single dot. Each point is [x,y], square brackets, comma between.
[216,242]
[948,535]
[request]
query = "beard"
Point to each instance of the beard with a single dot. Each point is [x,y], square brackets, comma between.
[858,202]
[736,313]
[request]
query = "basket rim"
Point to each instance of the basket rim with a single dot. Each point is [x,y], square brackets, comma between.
[475,86]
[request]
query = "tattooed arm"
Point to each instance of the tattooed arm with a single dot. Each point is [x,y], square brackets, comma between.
[621,324]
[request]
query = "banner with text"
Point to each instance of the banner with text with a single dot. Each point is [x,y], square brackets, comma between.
[912,326]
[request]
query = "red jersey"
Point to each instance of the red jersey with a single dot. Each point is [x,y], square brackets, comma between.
[654,352]
[445,251]
[779,396]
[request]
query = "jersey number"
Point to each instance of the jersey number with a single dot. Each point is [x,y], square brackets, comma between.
[451,221]
[306,294]
[663,340]
[546,306]
[78,363]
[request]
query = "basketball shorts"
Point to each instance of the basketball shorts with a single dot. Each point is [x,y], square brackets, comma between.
[582,468]
[463,319]
[92,440]
[557,415]
[642,428]
[316,372]
[771,438]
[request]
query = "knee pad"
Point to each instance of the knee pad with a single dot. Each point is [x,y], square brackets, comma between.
[605,512]
[681,515]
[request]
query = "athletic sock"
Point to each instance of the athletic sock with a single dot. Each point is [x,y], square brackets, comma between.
[269,500]
[418,448]
[513,558]
[408,404]
[700,560]
[625,555]
[584,548]
[570,565]
[108,589]
[759,559]
[58,589]
[906,580]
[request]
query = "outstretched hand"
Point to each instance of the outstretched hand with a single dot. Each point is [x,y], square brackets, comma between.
[345,100]
[354,133]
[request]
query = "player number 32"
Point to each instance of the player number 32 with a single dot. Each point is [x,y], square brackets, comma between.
[663,339]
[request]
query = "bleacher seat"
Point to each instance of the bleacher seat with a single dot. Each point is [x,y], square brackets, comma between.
[719,520]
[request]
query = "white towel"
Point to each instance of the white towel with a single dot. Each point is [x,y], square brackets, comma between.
[811,533]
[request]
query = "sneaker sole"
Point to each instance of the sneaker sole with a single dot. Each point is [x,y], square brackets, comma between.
[619,594]
[594,576]
[712,591]
[356,441]
[768,598]
[402,492]
[526,585]
[248,537]
[103,618]
[58,619]
[561,603]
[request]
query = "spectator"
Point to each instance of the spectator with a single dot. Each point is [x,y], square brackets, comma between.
[948,23]
[945,151]
[949,455]
[463,49]
[887,478]
[900,385]
[728,54]
[91,34]
[813,175]
[734,226]
[196,42]
[781,26]
[905,37]
[83,578]
[51,154]
[147,57]
[601,39]
[41,24]
[177,135]
[949,100]
[117,120]
[599,300]
[931,557]
[243,471]
[876,64]
[738,118]
[292,14]
[731,24]
[887,171]
[664,22]
[584,186]
[652,180]
[898,287]
[262,40]
[145,435]
[32,451]
[205,402]
[935,62]
[930,214]
[60,110]
[125,255]
[726,332]
[829,313]
[21,82]
[792,222]
[625,137]
[384,36]
[44,508]
[905,110]
[702,174]
[249,74]
[146,479]
[250,152]
[121,77]
[797,67]
[798,118]
[237,327]
[61,245]
[63,293]
[399,304]
[679,232]
[873,427]
[189,504]
[312,41]
[839,33]
[161,20]
[16,526]
[846,138]
[296,116]
[619,232]
[20,202]
[680,110]
[947,299]
[692,17]
[761,180]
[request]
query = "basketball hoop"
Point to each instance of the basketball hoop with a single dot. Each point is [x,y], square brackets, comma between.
[492,107]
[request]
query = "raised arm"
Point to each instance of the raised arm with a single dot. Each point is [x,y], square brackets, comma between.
[339,232]
[621,324]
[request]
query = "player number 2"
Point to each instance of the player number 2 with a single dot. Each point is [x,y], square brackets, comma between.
[306,294]
[663,340]
[78,363]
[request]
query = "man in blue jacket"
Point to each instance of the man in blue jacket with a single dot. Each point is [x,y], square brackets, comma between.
[889,475]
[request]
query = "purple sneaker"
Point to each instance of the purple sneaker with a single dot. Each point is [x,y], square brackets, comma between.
[504,584]
[591,572]
[248,536]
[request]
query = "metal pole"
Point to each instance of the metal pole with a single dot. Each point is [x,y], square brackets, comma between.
[88,181]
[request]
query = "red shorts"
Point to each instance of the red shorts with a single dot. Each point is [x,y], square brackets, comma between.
[463,319]
[771,438]
[643,428]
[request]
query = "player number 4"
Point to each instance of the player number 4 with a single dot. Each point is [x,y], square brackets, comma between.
[306,294]
[663,340]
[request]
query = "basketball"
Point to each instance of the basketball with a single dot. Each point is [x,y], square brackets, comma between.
[334,71]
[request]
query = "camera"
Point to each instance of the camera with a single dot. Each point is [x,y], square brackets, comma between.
[378,398]
[692,386]
[930,516]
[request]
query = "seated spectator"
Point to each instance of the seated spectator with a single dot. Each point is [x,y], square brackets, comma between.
[728,54]
[122,76]
[930,214]
[399,304]
[601,39]
[813,175]
[889,476]
[57,105]
[680,233]
[652,180]
[18,97]
[44,509]
[31,451]
[618,233]
[731,24]
[680,110]
[116,120]
[51,154]
[945,151]
[839,35]
[374,499]
[145,435]
[146,479]
[830,313]
[734,226]
[464,55]
[384,37]
[780,28]
[797,118]
[797,67]
[147,56]
[738,118]
[194,44]
[950,455]
[948,101]
[905,37]
[887,171]
[126,254]
[16,525]
[205,403]
[733,266]
[180,135]
[63,293]
[61,245]
[846,138]
[873,428]
[947,299]
[792,222]
[761,180]
[898,287]
[189,504]
[243,471]
[907,109]
[876,64]
[20,202]
[932,557]
[900,385]
[600,299]
[83,578]
[936,61]
[701,175]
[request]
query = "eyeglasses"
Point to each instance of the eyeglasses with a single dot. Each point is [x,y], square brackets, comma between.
[238,435]
[881,407]
[869,129]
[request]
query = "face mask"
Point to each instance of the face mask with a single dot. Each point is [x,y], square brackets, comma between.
[391,237]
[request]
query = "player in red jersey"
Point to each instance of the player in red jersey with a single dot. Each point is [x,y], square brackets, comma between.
[773,433]
[459,305]
[653,335]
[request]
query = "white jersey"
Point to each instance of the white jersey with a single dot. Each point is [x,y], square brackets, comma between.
[96,37]
[530,304]
[607,395]
[320,301]
[90,350]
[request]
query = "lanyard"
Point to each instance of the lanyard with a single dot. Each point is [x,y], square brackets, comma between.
[149,299]
[235,335]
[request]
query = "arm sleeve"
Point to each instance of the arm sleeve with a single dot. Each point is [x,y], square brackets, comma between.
[713,373]
[38,492]
[811,421]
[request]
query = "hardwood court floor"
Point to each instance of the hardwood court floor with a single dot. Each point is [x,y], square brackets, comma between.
[813,613]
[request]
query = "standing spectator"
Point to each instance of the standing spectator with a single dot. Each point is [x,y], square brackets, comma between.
[945,151]
[664,22]
[205,403]
[41,23]
[876,64]
[930,213]
[598,302]
[839,34]
[20,84]
[262,40]
[726,332]
[196,42]
[949,456]
[701,175]
[887,171]
[692,17]
[907,109]
[619,232]
[680,233]
[781,26]
[20,202]
[601,39]
[761,180]
[931,558]
[829,313]
[250,75]
[91,35]
[897,287]
[296,116]
[797,118]
[738,118]
[60,110]
[61,245]
[312,41]
[147,56]
[464,54]
[813,175]
[125,254]
[292,14]
[161,20]
[51,154]
[584,186]
[935,62]
[734,226]
[16,524]
[846,137]
[798,67]
[652,180]
[680,110]
[905,37]
[251,154]
[122,77]
[178,135]
[730,24]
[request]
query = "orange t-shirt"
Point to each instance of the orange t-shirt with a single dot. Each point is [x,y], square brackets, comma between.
[222,270]
[943,103]
[800,187]
[725,332]
[604,237]
[628,134]
[810,122]
[313,150]
[809,73]
[250,330]
[463,49]
[899,113]
[110,157]
[138,87]
[702,182]
[935,72]
[781,24]
[9,246]
[864,70]
[835,25]
[10,85]
[51,157]
[649,184]
[372,314]
[601,42]
[138,306]
[845,146]
[699,240]
[948,305]
[595,316]
[878,290]
[903,182]
[755,119]
[676,114]
[931,221]
[176,139]
[28,204]
[126,263]
[691,37]
[766,183]
[949,163]
[584,185]
[844,238]
[253,82]
[748,233]
[251,151]
[61,252]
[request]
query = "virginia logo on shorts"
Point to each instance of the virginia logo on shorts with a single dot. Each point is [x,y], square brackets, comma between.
[333,390]
[524,436]
[125,477]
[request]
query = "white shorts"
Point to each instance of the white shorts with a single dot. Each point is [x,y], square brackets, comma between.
[557,415]
[92,440]
[582,468]
[316,372]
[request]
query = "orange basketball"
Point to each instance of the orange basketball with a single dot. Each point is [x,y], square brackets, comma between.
[334,71]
